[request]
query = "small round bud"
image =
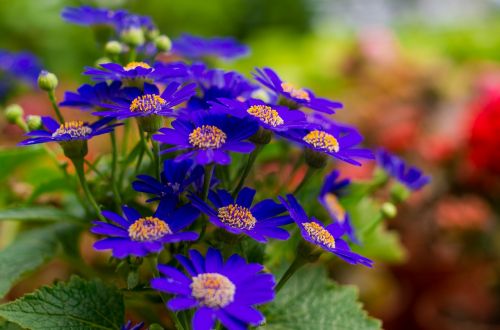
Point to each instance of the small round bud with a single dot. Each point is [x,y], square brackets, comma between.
[399,193]
[13,113]
[261,94]
[389,210]
[152,34]
[113,47]
[163,43]
[134,36]
[102,60]
[34,122]
[47,81]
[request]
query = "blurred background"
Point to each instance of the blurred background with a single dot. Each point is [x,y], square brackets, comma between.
[419,77]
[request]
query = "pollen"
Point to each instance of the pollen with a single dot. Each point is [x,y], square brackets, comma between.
[147,103]
[75,129]
[266,114]
[207,137]
[295,92]
[213,290]
[322,140]
[236,216]
[148,229]
[334,207]
[135,65]
[319,234]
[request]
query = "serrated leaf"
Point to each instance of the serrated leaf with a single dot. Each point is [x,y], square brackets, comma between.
[77,305]
[29,251]
[37,213]
[310,300]
[6,325]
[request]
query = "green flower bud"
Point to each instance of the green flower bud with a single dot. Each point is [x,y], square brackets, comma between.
[47,81]
[261,94]
[399,193]
[152,34]
[102,60]
[163,43]
[113,47]
[34,122]
[13,113]
[133,37]
[389,210]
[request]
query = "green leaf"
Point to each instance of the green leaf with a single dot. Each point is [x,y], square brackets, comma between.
[6,325]
[12,158]
[37,213]
[29,251]
[52,185]
[77,304]
[310,300]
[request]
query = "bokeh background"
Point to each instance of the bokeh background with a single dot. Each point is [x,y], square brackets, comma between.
[419,77]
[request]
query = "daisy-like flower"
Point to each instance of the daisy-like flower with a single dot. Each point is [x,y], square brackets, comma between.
[88,16]
[134,71]
[410,176]
[175,178]
[328,197]
[23,65]
[272,117]
[208,137]
[194,47]
[88,97]
[136,235]
[327,238]
[218,290]
[260,222]
[337,141]
[299,97]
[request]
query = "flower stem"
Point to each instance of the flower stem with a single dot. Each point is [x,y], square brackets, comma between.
[305,179]
[251,160]
[156,157]
[53,101]
[114,161]
[207,178]
[294,266]
[78,163]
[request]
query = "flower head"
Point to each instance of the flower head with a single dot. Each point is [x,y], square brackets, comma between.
[327,238]
[410,176]
[23,65]
[208,137]
[298,96]
[89,97]
[137,235]
[194,47]
[261,221]
[218,290]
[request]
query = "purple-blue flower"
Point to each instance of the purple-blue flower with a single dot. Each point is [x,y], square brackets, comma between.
[328,197]
[298,96]
[149,102]
[208,138]
[137,235]
[68,131]
[410,176]
[194,47]
[23,66]
[88,97]
[218,290]
[327,238]
[260,222]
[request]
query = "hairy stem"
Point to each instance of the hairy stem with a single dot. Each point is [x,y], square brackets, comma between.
[114,161]
[53,101]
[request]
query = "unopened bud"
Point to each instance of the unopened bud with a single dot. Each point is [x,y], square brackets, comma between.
[34,122]
[113,47]
[152,34]
[102,60]
[389,210]
[13,113]
[133,36]
[47,81]
[261,94]
[163,43]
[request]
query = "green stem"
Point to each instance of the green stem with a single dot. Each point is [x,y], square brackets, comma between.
[305,179]
[114,160]
[132,54]
[156,155]
[251,160]
[209,170]
[53,101]
[94,169]
[294,266]
[78,163]
[123,164]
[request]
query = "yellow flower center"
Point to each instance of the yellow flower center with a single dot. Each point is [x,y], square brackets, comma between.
[236,216]
[295,92]
[75,129]
[147,103]
[213,290]
[148,229]
[207,137]
[322,140]
[266,114]
[334,207]
[135,65]
[319,234]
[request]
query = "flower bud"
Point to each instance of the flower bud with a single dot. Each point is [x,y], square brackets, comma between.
[152,34]
[34,122]
[163,43]
[47,81]
[102,60]
[389,210]
[133,36]
[399,193]
[113,47]
[261,94]
[13,113]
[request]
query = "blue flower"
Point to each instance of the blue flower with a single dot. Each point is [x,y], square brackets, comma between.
[208,137]
[218,290]
[89,97]
[133,71]
[68,131]
[135,235]
[260,222]
[23,66]
[328,197]
[327,238]
[175,178]
[86,15]
[297,96]
[150,102]
[410,176]
[194,47]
